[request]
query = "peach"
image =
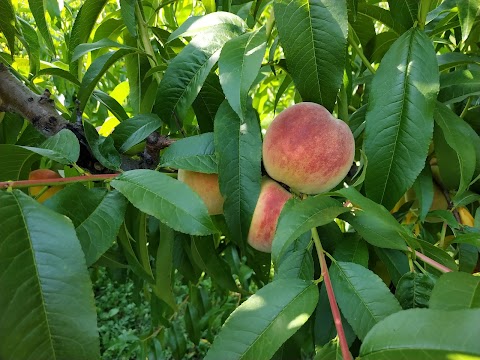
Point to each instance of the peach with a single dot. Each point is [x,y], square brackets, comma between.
[43,174]
[308,149]
[265,216]
[206,186]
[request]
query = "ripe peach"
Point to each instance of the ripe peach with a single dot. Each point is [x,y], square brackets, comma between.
[308,149]
[43,174]
[206,186]
[265,217]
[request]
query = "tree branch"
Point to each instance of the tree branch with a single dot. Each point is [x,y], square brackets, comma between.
[40,110]
[15,97]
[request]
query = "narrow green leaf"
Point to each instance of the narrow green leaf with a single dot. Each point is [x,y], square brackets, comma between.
[363,30]
[7,23]
[187,72]
[134,130]
[381,15]
[16,162]
[38,11]
[102,148]
[251,331]
[206,257]
[404,11]
[362,296]
[62,147]
[195,153]
[452,59]
[111,104]
[443,335]
[127,9]
[109,27]
[373,222]
[398,133]
[95,72]
[83,26]
[133,66]
[239,150]
[46,309]
[297,217]
[305,27]
[455,131]
[467,12]
[54,71]
[31,42]
[239,64]
[125,241]
[424,192]
[106,43]
[170,201]
[196,25]
[468,238]
[97,215]
[455,291]
[458,85]
[207,102]
[164,266]
[414,290]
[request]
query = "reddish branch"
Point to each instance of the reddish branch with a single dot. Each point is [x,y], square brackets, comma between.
[431,262]
[337,319]
[40,110]
[47,182]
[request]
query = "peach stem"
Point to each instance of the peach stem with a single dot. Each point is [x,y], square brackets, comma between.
[331,296]
[47,182]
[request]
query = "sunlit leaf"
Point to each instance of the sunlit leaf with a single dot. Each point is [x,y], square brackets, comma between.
[251,330]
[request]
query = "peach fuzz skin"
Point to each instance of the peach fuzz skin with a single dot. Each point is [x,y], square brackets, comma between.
[308,149]
[206,186]
[265,217]
[43,174]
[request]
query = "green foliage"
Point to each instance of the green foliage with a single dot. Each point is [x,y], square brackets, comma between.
[207,78]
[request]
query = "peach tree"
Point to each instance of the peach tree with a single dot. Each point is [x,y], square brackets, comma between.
[150,118]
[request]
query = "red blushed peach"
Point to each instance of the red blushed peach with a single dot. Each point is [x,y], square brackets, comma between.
[206,186]
[265,217]
[308,149]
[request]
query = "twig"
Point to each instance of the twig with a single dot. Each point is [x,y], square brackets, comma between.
[331,296]
[431,262]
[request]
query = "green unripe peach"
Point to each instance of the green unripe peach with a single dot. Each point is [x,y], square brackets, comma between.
[308,149]
[270,203]
[206,186]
